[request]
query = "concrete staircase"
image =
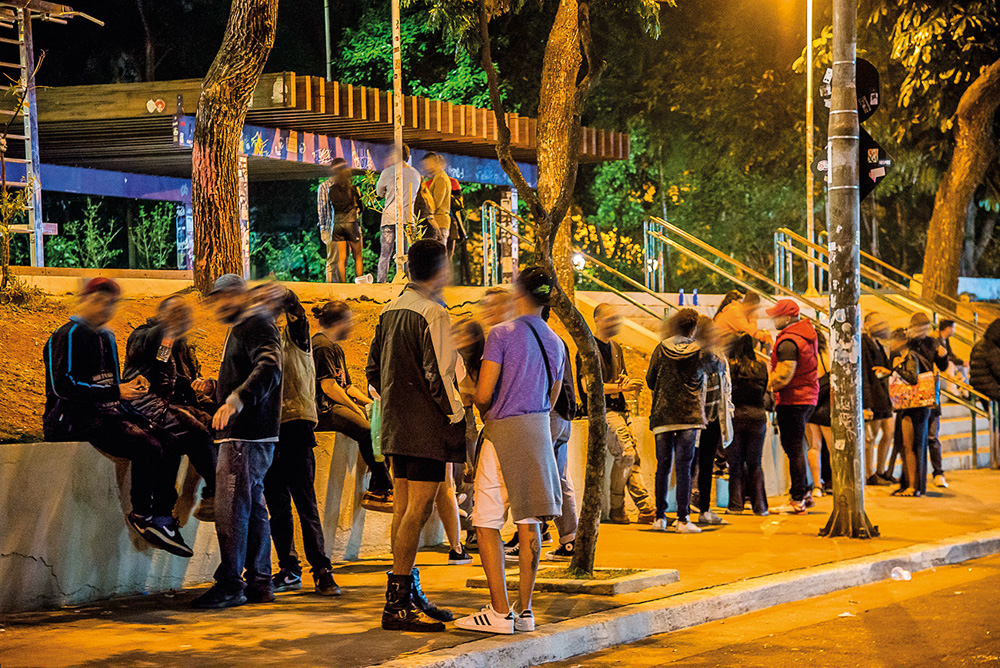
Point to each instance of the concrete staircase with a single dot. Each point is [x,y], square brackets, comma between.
[955,434]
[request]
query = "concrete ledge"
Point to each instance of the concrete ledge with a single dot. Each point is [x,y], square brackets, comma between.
[598,631]
[628,584]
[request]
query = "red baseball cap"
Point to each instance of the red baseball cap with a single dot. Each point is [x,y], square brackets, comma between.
[784,307]
[101,284]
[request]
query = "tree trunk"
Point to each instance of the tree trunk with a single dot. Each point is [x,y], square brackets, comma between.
[975,149]
[967,267]
[569,71]
[222,108]
[150,69]
[844,226]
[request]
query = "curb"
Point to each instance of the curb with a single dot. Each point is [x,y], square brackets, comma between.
[591,633]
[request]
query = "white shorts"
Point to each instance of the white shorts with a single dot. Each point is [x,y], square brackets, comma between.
[490,493]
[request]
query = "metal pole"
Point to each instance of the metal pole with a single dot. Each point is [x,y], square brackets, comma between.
[975,448]
[645,252]
[810,214]
[994,437]
[397,132]
[326,26]
[32,163]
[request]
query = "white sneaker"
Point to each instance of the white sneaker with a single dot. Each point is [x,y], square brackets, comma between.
[817,492]
[488,620]
[687,527]
[660,524]
[939,481]
[523,621]
[709,517]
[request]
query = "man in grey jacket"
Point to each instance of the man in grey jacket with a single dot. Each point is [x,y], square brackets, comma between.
[411,366]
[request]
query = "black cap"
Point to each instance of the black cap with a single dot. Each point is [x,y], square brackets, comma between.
[537,282]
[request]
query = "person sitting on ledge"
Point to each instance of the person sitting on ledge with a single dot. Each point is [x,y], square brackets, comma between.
[85,400]
[159,352]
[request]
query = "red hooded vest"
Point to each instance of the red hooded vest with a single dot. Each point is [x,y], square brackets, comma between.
[804,386]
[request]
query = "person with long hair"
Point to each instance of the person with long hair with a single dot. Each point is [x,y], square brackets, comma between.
[746,476]
[911,423]
[818,430]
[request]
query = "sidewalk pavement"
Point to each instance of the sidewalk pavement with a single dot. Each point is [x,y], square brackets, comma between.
[302,629]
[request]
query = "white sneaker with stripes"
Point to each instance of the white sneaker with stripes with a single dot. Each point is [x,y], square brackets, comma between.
[523,621]
[488,620]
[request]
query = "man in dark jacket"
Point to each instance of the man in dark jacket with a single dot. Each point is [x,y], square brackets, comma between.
[411,366]
[85,400]
[159,352]
[677,373]
[877,405]
[984,363]
[930,348]
[247,426]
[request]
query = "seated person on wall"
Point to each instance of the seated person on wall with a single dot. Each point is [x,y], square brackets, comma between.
[85,400]
[342,404]
[159,352]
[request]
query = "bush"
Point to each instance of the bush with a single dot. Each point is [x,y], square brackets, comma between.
[84,243]
[154,237]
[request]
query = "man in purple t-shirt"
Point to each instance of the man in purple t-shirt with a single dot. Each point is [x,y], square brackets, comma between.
[519,381]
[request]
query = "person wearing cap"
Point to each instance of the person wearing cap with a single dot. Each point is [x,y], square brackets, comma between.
[625,471]
[86,400]
[877,404]
[411,367]
[292,474]
[247,426]
[795,383]
[931,349]
[159,352]
[521,378]
[386,188]
[342,404]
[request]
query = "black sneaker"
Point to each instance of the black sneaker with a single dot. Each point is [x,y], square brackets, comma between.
[512,553]
[167,531]
[286,581]
[562,553]
[459,557]
[325,584]
[139,522]
[471,541]
[546,536]
[217,597]
[264,594]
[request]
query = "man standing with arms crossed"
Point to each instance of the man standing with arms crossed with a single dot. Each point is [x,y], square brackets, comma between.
[247,426]
[439,186]
[411,366]
[795,384]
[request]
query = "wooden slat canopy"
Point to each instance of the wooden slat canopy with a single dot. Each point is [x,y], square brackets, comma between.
[128,127]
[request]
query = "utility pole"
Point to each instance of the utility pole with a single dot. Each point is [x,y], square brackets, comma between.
[326,26]
[844,225]
[397,133]
[811,290]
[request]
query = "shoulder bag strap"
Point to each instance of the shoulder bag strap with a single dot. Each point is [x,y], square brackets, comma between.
[545,356]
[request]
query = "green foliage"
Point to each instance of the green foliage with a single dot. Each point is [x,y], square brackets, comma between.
[86,243]
[289,257]
[154,236]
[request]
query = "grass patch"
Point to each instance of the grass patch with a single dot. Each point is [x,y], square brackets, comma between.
[598,574]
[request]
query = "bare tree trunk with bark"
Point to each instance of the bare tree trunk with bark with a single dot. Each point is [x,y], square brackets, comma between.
[569,72]
[975,149]
[222,108]
[844,225]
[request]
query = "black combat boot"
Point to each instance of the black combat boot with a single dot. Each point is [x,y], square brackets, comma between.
[400,614]
[425,606]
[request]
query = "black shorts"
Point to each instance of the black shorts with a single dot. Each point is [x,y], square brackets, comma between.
[418,468]
[349,232]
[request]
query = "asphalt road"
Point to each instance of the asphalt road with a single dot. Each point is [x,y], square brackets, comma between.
[939,619]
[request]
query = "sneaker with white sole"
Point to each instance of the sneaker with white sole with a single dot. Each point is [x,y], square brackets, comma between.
[563,553]
[459,557]
[939,481]
[488,620]
[660,524]
[523,621]
[687,527]
[167,531]
[709,517]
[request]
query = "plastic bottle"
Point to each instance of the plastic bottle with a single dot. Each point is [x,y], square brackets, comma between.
[680,297]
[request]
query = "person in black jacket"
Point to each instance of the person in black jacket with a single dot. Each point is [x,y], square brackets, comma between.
[984,364]
[746,476]
[911,423]
[86,400]
[247,424]
[876,402]
[936,355]
[159,352]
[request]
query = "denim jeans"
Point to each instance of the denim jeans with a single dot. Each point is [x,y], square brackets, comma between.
[292,477]
[566,524]
[669,444]
[792,421]
[934,443]
[746,477]
[388,251]
[703,463]
[241,516]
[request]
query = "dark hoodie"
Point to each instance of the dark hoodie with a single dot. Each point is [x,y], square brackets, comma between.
[984,363]
[677,378]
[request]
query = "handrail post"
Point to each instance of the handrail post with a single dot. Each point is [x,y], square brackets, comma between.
[975,439]
[486,256]
[994,440]
[777,258]
[645,252]
[790,272]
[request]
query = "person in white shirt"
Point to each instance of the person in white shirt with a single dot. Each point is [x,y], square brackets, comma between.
[386,189]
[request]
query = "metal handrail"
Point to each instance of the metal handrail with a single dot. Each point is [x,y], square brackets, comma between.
[731,260]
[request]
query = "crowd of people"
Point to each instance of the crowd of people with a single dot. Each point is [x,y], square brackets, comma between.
[432,200]
[250,432]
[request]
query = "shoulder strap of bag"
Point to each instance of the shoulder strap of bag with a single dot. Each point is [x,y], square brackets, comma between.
[545,357]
